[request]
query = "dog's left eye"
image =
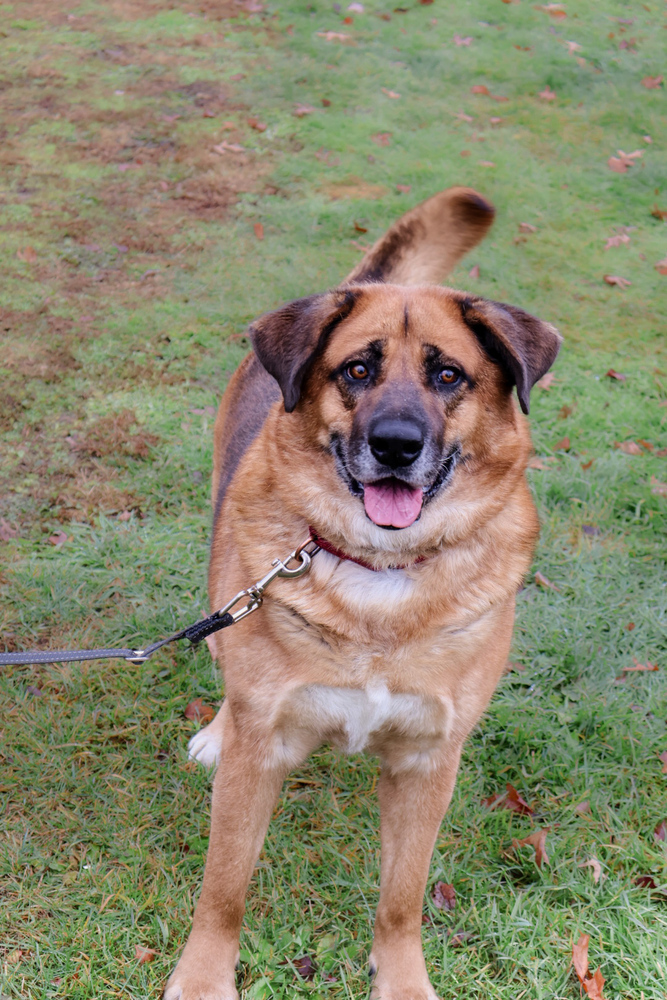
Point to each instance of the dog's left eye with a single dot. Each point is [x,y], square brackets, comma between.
[357,371]
[449,376]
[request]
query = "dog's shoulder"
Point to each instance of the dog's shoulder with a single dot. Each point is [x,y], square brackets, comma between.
[245,406]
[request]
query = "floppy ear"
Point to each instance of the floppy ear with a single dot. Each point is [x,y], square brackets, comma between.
[288,340]
[426,243]
[524,345]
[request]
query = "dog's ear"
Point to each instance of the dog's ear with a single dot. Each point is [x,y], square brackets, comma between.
[288,340]
[524,345]
[426,243]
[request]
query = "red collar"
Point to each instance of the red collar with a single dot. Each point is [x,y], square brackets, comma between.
[328,547]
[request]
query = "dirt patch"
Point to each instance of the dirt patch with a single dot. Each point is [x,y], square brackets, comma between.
[90,493]
[112,435]
[354,189]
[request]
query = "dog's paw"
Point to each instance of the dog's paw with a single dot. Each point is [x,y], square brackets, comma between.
[205,746]
[197,988]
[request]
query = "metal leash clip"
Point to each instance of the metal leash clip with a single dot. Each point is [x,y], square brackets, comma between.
[302,554]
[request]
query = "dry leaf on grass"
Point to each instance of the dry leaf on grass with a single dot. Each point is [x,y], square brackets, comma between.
[659,213]
[334,36]
[657,488]
[543,581]
[538,841]
[486,163]
[143,955]
[509,799]
[591,984]
[404,188]
[479,88]
[390,93]
[660,832]
[462,41]
[474,271]
[652,82]
[27,254]
[444,896]
[615,279]
[301,110]
[628,447]
[661,266]
[536,463]
[640,666]
[562,445]
[615,241]
[526,227]
[463,117]
[583,807]
[615,375]
[595,865]
[199,712]
[228,147]
[663,759]
[547,94]
[546,381]
[381,138]
[59,538]
[257,125]
[306,967]
[6,531]
[259,230]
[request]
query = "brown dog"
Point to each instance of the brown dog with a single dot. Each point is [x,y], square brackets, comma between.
[381,414]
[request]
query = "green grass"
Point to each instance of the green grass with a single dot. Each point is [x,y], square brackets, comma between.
[134,297]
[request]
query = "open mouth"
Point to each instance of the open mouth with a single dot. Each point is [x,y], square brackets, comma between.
[392,503]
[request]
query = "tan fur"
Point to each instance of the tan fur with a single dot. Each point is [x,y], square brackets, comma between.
[399,662]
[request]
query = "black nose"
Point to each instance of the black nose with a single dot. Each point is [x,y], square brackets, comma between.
[396,442]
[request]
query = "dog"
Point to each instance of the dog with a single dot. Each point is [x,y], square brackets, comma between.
[380,416]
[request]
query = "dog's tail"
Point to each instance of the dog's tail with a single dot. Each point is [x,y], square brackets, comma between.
[426,243]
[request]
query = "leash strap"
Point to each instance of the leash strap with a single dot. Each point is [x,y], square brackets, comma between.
[252,598]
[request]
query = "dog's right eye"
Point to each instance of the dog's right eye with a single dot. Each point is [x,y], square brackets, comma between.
[357,371]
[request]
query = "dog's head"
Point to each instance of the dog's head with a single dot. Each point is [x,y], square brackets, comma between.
[400,379]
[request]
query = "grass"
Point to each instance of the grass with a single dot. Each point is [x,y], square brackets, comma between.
[131,269]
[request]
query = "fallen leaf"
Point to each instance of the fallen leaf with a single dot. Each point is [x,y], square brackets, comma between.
[592,985]
[124,515]
[615,279]
[14,957]
[615,375]
[658,488]
[645,444]
[583,807]
[34,691]
[553,9]
[326,103]
[495,121]
[59,538]
[204,411]
[515,803]
[565,412]
[543,581]
[660,832]
[465,152]
[463,117]
[6,531]
[27,254]
[536,463]
[526,227]
[630,626]
[652,82]
[659,213]
[595,865]
[547,94]
[228,147]
[359,228]
[444,896]
[479,88]
[562,445]
[457,938]
[617,165]
[572,47]
[348,20]
[538,841]
[237,76]
[462,41]
[404,188]
[546,381]
[661,266]
[587,465]
[390,93]
[591,530]
[486,163]
[641,666]
[306,967]
[333,36]
[628,447]
[143,955]
[513,666]
[381,138]
[356,8]
[259,230]
[199,712]
[646,882]
[257,125]
[474,271]
[301,110]
[615,241]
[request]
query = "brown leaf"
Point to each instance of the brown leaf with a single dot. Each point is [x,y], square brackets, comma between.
[444,896]
[583,807]
[617,165]
[615,375]
[536,463]
[544,581]
[547,94]
[334,36]
[591,530]
[525,227]
[587,465]
[652,82]
[359,228]
[513,666]
[628,447]
[641,666]
[615,241]
[404,188]
[143,955]
[515,803]
[630,626]
[306,967]
[326,103]
[301,110]
[382,138]
[486,163]
[580,958]
[59,538]
[595,865]
[562,445]
[645,444]
[199,712]
[34,691]
[228,147]
[593,986]
[495,120]
[462,41]
[6,531]
[538,841]
[646,882]
[463,117]
[391,93]
[457,938]
[659,213]
[465,152]
[658,488]
[546,381]
[661,266]
[257,124]
[615,279]
[27,254]
[479,88]
[474,271]
[259,230]
[14,957]
[565,411]
[660,832]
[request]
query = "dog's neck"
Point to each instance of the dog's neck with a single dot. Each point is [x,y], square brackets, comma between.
[328,547]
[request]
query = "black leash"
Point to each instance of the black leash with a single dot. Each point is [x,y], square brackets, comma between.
[223,618]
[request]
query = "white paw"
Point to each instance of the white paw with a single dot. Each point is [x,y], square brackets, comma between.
[206,745]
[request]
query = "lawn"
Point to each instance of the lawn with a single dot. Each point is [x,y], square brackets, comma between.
[172,169]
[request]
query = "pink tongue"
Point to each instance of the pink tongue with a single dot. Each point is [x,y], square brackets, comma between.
[391,502]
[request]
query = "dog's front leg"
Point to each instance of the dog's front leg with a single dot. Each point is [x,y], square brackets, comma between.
[246,786]
[412,804]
